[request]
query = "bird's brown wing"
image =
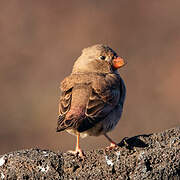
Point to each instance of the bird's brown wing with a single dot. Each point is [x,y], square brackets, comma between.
[108,91]
[64,106]
[68,86]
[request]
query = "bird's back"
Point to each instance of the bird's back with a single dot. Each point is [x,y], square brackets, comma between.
[88,98]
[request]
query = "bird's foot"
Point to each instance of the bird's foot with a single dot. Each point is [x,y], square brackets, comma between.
[113,145]
[78,151]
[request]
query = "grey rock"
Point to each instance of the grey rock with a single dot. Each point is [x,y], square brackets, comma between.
[153,156]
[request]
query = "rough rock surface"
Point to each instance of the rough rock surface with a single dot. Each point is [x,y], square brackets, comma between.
[154,156]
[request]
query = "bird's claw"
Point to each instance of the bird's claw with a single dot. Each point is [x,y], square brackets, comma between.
[112,146]
[78,152]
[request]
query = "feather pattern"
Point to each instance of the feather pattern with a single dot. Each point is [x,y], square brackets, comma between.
[88,98]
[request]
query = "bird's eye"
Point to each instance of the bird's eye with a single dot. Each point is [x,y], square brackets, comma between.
[102,57]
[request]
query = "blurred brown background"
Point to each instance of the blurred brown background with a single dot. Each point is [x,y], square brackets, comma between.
[39,41]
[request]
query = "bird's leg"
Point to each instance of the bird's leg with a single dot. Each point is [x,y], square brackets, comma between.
[77,149]
[112,145]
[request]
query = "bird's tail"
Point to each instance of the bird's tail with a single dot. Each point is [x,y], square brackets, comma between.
[72,119]
[76,113]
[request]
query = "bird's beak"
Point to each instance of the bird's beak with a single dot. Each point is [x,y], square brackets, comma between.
[118,62]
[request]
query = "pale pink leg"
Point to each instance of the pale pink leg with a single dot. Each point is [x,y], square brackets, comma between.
[78,149]
[112,145]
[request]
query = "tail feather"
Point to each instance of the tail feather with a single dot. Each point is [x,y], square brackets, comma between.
[60,126]
[66,122]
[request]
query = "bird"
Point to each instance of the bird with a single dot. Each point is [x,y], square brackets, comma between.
[92,96]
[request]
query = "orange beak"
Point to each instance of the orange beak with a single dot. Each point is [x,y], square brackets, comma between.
[118,62]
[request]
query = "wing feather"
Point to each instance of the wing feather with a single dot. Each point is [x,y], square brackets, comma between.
[107,91]
[105,96]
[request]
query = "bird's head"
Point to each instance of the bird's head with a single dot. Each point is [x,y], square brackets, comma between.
[98,58]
